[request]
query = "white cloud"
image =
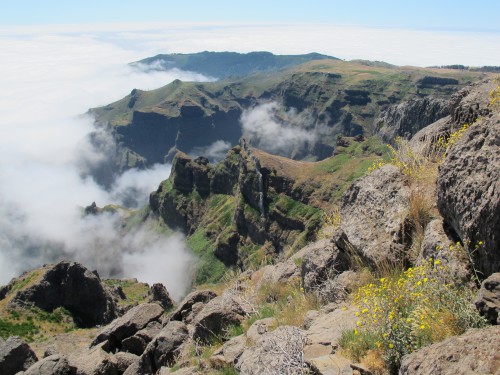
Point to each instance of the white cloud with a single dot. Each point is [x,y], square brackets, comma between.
[214,152]
[47,81]
[269,127]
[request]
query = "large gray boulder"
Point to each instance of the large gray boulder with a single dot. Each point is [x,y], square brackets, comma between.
[74,287]
[488,298]
[407,118]
[468,192]
[374,211]
[15,356]
[217,315]
[474,352]
[52,365]
[128,325]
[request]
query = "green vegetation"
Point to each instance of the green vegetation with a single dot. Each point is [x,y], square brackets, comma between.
[135,292]
[34,324]
[210,269]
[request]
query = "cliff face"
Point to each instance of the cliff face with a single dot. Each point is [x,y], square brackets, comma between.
[235,206]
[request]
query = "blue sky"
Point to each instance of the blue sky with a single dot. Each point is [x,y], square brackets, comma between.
[479,15]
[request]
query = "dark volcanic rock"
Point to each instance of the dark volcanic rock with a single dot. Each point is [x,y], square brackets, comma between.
[15,356]
[162,350]
[474,352]
[185,307]
[488,299]
[134,320]
[407,118]
[373,217]
[72,286]
[160,294]
[468,191]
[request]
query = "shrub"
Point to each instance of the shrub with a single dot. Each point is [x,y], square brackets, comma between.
[408,310]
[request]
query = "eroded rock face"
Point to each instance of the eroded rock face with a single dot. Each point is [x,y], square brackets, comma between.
[468,191]
[488,299]
[15,356]
[373,214]
[74,287]
[407,118]
[475,352]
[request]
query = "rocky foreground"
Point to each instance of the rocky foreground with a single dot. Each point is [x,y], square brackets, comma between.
[226,329]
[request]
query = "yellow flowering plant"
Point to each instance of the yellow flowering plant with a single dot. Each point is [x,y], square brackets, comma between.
[404,312]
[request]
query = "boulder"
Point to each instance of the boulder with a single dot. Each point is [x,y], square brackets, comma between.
[162,350]
[185,307]
[326,329]
[15,356]
[72,286]
[93,361]
[488,299]
[160,295]
[468,187]
[331,364]
[217,315]
[474,352]
[407,118]
[124,361]
[279,352]
[129,324]
[322,260]
[137,343]
[373,222]
[52,365]
[230,352]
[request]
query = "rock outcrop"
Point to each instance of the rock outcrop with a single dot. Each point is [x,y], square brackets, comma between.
[474,352]
[72,286]
[468,192]
[15,356]
[488,299]
[128,325]
[407,118]
[373,214]
[322,261]
[216,316]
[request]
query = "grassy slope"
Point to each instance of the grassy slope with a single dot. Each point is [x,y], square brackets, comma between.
[381,81]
